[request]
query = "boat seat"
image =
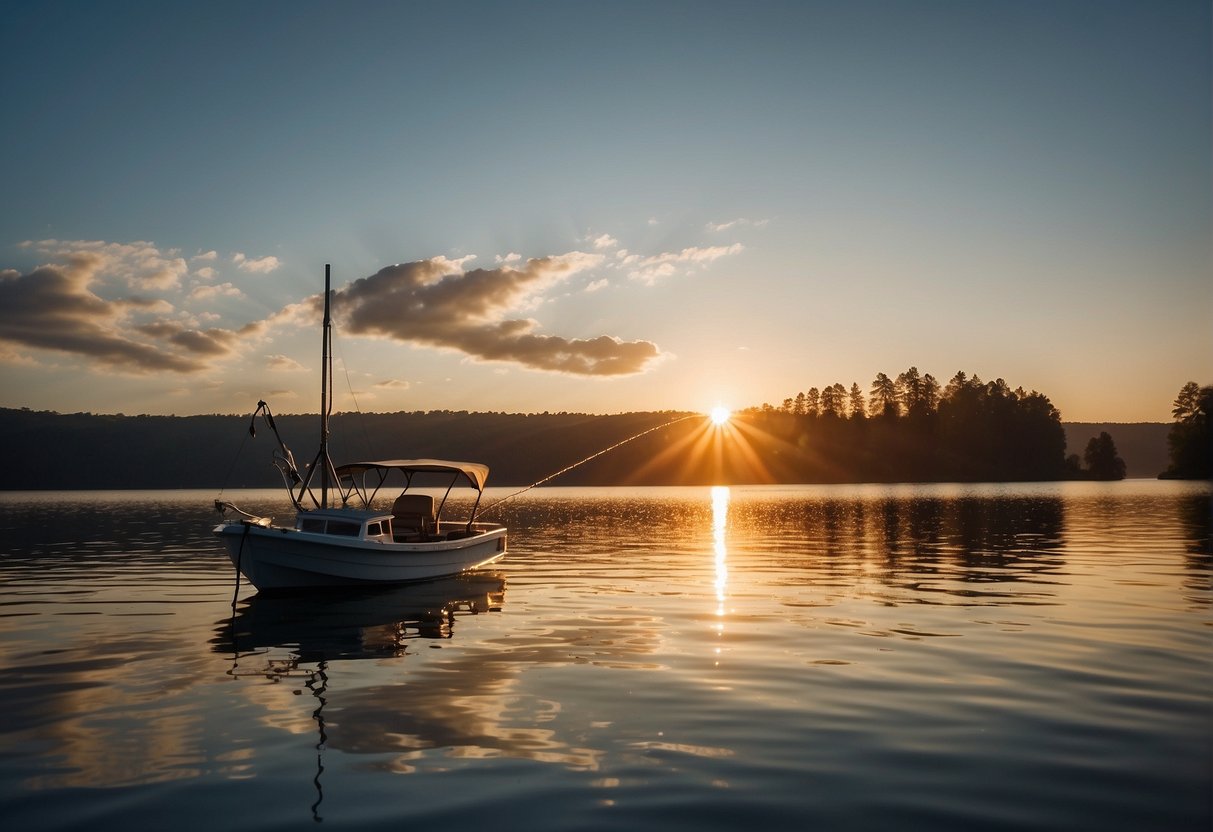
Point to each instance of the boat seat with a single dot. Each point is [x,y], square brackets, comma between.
[413,513]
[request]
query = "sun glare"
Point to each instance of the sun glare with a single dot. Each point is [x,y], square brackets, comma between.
[720,416]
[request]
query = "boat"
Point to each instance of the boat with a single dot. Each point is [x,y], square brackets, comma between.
[343,534]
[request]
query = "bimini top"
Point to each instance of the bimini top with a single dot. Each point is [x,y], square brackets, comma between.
[475,473]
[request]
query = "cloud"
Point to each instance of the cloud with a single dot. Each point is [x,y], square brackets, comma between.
[208,342]
[10,356]
[256,265]
[55,308]
[434,302]
[725,226]
[97,301]
[222,289]
[650,269]
[141,265]
[391,384]
[284,363]
[512,257]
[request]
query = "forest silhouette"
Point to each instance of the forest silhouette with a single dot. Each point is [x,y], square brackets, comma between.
[904,429]
[1190,439]
[913,429]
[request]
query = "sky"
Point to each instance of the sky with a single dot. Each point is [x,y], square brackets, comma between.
[602,207]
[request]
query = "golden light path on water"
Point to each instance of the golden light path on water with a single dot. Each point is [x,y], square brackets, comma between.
[720,515]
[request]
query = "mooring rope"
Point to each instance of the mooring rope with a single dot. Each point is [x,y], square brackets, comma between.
[581,462]
[239,558]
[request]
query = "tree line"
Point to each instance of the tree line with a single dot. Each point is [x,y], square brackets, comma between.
[903,429]
[912,428]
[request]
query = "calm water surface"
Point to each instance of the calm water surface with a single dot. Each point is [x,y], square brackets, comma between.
[935,657]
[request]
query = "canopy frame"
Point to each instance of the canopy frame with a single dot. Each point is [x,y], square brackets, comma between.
[352,479]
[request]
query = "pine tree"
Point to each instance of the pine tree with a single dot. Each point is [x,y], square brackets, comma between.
[1103,463]
[1189,440]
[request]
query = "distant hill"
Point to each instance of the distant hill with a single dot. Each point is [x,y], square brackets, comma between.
[1142,445]
[45,450]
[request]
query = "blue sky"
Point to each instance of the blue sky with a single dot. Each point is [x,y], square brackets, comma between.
[602,206]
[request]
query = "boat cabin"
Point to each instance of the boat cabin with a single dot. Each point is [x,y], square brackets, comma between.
[412,519]
[363,525]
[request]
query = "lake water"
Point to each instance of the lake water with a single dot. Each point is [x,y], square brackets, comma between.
[846,657]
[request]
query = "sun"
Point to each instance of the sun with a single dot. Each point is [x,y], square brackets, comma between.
[720,416]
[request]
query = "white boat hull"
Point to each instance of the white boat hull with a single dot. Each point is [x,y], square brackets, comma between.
[276,557]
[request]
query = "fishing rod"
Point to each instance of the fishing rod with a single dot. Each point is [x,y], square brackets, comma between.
[581,462]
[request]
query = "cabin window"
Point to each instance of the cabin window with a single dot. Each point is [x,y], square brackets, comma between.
[311,524]
[343,528]
[374,529]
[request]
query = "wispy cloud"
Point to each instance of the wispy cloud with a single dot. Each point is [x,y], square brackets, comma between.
[391,384]
[435,302]
[256,265]
[651,269]
[604,241]
[740,221]
[283,363]
[206,292]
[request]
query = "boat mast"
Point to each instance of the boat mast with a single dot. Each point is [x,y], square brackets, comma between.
[328,474]
[326,394]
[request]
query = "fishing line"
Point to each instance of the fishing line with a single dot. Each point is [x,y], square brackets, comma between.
[232,467]
[581,462]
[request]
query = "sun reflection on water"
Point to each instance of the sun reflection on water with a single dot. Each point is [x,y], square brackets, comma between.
[720,515]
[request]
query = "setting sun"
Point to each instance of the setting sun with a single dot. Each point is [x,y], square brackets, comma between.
[720,416]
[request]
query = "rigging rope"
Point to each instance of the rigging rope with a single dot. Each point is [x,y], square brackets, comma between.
[581,462]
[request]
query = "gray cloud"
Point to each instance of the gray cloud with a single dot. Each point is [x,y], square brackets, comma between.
[53,308]
[435,302]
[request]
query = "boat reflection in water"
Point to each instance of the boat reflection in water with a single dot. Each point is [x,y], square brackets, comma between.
[349,623]
[297,635]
